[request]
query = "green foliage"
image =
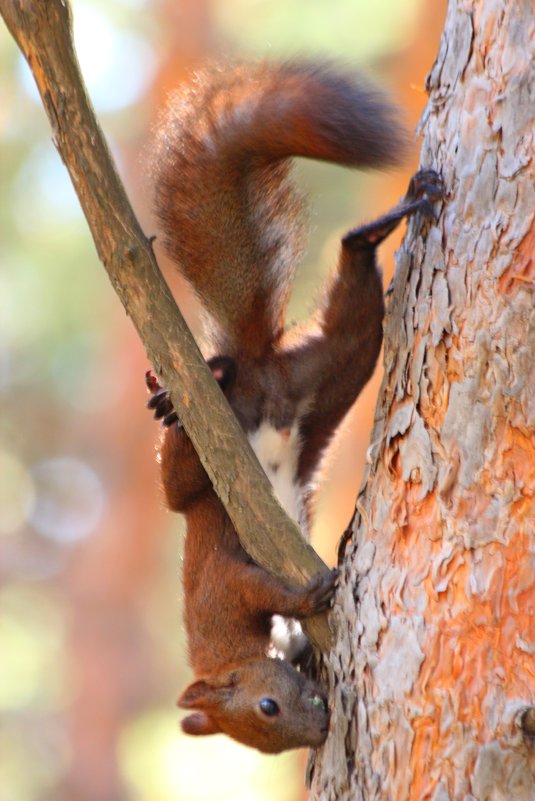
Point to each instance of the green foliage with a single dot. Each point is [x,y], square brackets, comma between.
[355,30]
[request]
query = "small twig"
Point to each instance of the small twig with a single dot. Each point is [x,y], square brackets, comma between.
[43,32]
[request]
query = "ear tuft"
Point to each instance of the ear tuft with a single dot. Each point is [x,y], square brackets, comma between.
[202,694]
[199,723]
[196,695]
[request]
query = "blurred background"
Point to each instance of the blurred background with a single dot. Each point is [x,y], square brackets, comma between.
[92,652]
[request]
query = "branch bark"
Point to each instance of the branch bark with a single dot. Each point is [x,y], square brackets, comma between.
[43,32]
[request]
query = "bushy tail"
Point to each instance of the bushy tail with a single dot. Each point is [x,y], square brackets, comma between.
[231,218]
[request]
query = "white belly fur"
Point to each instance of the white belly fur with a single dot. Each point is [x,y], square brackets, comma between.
[278,454]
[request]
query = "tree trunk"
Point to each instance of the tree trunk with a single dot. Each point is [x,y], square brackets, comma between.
[434,668]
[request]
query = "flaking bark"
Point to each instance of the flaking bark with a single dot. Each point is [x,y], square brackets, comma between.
[433,671]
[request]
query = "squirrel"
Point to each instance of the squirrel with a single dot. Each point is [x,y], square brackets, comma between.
[231,223]
[229,602]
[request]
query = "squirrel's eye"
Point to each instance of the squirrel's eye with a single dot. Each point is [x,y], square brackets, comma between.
[269,707]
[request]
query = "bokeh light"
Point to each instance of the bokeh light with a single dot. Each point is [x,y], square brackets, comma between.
[117,65]
[69,499]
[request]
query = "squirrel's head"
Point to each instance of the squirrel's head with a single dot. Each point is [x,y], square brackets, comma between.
[263,703]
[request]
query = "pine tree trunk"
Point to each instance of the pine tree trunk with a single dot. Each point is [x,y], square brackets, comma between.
[434,666]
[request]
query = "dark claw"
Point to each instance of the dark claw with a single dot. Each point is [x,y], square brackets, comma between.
[426,184]
[156,399]
[169,419]
[160,401]
[320,590]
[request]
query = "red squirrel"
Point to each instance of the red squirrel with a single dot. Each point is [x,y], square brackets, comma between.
[228,605]
[230,220]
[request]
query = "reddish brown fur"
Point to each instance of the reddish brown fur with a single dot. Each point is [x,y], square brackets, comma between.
[231,218]
[228,621]
[231,222]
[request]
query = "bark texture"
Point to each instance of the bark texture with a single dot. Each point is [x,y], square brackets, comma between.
[433,672]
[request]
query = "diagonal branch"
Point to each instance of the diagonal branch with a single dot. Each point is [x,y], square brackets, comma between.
[43,32]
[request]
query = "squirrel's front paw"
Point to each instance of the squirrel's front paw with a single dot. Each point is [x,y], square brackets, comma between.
[319,591]
[160,401]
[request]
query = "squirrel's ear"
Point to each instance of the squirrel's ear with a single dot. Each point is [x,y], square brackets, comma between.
[197,694]
[203,693]
[199,723]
